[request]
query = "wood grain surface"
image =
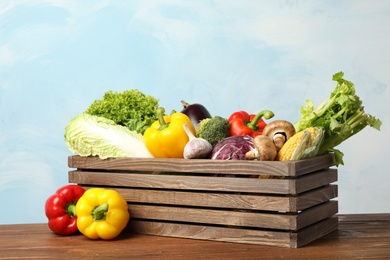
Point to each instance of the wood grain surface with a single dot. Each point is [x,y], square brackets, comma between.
[236,167]
[233,201]
[364,236]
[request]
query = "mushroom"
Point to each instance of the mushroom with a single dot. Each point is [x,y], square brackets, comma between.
[279,131]
[265,149]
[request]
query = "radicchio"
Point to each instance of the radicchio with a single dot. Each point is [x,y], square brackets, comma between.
[232,148]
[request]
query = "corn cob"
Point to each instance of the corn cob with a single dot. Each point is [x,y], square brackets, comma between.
[304,144]
[316,139]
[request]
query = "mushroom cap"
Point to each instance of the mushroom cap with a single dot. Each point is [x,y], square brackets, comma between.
[265,147]
[279,131]
[277,126]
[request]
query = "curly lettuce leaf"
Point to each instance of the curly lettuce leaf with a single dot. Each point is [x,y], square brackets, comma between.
[130,108]
[89,135]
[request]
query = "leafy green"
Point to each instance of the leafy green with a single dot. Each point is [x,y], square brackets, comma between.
[130,108]
[341,116]
[89,135]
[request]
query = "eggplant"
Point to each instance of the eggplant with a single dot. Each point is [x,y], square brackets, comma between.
[196,112]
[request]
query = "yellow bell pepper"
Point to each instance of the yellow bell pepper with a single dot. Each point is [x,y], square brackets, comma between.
[101,213]
[166,137]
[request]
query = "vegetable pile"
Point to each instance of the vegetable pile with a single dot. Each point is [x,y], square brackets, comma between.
[131,124]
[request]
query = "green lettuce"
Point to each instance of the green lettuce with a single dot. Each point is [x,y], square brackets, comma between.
[89,135]
[130,108]
[341,116]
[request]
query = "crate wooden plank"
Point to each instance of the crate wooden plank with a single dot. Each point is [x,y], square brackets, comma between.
[313,232]
[236,235]
[206,183]
[235,217]
[180,182]
[302,167]
[203,232]
[236,167]
[315,214]
[313,197]
[232,201]
[314,180]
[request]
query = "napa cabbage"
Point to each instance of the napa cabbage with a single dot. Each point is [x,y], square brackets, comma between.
[91,135]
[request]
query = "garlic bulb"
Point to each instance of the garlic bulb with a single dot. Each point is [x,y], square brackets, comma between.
[196,148]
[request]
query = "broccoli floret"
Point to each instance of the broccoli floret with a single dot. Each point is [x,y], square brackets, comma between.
[213,129]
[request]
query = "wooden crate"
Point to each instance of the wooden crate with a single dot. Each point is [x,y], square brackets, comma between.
[221,200]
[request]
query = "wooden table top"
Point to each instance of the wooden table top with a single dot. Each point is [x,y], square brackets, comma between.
[358,236]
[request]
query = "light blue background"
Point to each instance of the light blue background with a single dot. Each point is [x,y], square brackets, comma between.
[56,57]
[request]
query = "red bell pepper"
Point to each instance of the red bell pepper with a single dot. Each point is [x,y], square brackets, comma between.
[60,209]
[242,123]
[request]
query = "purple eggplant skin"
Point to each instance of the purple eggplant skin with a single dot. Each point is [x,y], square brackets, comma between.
[196,112]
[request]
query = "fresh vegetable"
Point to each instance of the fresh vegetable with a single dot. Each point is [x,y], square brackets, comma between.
[265,149]
[213,129]
[196,112]
[304,144]
[341,116]
[166,137]
[241,123]
[60,209]
[130,108]
[279,131]
[196,148]
[89,135]
[102,213]
[233,148]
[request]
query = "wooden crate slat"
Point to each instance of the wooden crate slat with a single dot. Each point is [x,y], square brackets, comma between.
[224,234]
[236,167]
[209,199]
[313,232]
[314,197]
[181,182]
[317,213]
[206,183]
[236,235]
[235,218]
[314,180]
[233,201]
[302,167]
[209,216]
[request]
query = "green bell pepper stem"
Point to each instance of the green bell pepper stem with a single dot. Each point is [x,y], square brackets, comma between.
[99,213]
[71,209]
[267,114]
[160,116]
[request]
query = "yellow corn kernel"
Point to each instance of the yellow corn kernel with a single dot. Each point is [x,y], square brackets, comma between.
[316,139]
[287,150]
[295,147]
[313,132]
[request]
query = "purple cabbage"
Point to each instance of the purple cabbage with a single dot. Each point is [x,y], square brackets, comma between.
[232,148]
